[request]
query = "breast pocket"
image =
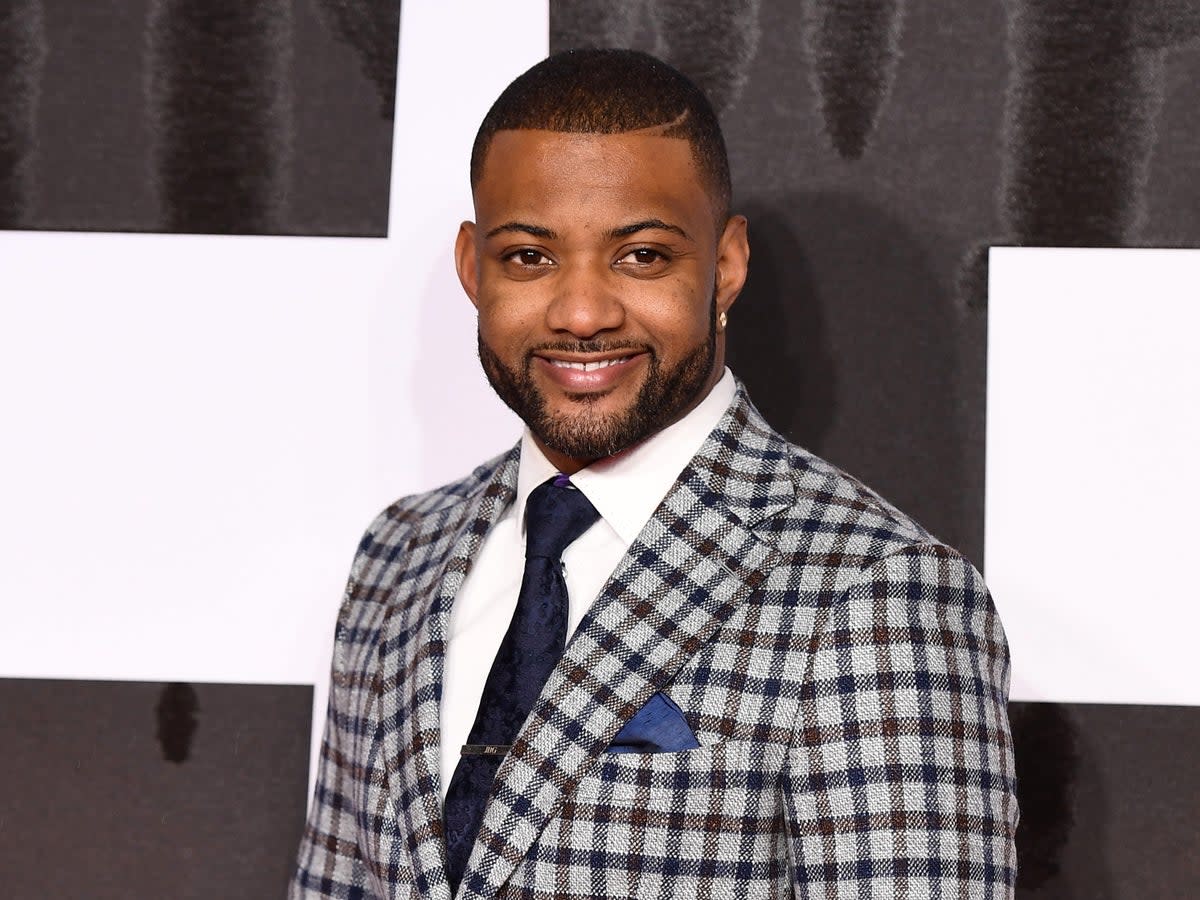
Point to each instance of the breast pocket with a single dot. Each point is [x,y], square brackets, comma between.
[727,787]
[703,820]
[737,766]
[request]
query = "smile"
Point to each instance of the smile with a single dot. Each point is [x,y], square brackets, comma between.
[592,376]
[588,366]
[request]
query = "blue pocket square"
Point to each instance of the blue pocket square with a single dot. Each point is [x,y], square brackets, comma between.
[658,727]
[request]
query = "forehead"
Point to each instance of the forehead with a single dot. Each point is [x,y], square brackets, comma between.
[633,173]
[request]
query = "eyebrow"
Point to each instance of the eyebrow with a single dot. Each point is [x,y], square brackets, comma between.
[647,225]
[522,228]
[547,234]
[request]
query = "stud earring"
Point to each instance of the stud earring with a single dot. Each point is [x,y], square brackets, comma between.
[722,320]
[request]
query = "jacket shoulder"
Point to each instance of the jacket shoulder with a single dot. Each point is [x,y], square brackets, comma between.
[837,531]
[394,527]
[809,508]
[393,546]
[846,501]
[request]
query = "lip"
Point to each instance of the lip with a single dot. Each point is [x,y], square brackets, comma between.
[565,369]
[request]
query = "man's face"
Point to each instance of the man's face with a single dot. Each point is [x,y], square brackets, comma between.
[598,271]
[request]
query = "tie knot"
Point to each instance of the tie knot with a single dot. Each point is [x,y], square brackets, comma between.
[556,513]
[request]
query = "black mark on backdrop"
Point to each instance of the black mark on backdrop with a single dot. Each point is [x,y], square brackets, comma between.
[22,52]
[1081,109]
[855,46]
[220,109]
[373,30]
[176,720]
[1085,93]
[714,49]
[714,46]
[1045,747]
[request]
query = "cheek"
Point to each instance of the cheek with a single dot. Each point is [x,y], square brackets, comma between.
[514,312]
[677,319]
[505,324]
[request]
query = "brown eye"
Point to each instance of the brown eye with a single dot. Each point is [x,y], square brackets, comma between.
[643,260]
[528,258]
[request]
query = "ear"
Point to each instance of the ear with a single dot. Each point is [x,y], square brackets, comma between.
[466,260]
[733,261]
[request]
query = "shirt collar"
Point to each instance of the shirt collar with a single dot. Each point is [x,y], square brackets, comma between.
[626,488]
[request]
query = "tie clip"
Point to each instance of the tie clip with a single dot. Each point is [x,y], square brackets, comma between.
[485,749]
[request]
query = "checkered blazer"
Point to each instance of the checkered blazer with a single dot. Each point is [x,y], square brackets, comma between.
[844,673]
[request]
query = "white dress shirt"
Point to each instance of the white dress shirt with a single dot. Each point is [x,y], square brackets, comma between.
[625,489]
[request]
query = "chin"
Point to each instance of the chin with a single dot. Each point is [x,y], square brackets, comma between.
[591,435]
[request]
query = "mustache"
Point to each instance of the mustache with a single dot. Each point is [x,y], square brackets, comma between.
[587,347]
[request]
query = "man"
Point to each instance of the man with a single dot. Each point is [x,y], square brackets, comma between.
[775,684]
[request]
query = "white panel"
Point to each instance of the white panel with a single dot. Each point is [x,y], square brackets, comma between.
[179,487]
[1093,483]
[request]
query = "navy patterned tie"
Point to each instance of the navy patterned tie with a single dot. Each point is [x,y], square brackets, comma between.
[555,515]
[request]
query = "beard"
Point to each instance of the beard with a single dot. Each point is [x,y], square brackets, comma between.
[589,435]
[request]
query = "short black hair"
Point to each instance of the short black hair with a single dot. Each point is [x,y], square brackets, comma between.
[607,91]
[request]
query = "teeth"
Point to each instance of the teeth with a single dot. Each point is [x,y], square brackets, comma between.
[588,366]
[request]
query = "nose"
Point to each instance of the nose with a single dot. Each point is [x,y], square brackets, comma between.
[585,302]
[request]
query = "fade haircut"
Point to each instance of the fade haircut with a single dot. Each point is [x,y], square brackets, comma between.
[604,91]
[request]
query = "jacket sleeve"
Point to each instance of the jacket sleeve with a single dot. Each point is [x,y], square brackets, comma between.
[329,863]
[901,770]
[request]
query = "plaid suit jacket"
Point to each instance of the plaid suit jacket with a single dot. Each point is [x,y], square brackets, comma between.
[844,673]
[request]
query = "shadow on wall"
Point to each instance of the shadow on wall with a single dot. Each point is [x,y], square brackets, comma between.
[1064,807]
[874,387]
[776,340]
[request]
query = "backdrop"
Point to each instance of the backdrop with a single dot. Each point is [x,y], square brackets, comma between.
[257,341]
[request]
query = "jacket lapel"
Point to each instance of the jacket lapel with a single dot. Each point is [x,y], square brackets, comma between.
[694,562]
[411,662]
